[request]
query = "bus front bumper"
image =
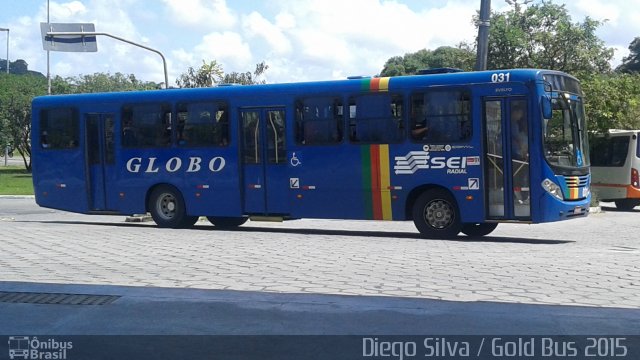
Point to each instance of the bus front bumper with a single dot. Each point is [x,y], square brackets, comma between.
[557,210]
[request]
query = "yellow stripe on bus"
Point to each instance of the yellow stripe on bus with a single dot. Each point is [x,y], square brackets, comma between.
[385,182]
[384,84]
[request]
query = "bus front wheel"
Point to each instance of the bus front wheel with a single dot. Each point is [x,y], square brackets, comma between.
[478,229]
[227,222]
[436,215]
[168,209]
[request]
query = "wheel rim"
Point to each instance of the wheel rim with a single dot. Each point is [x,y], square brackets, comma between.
[439,214]
[166,206]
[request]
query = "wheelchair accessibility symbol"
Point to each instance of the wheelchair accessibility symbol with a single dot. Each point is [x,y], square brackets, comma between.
[294,160]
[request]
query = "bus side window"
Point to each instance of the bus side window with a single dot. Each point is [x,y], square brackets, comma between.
[148,125]
[202,124]
[319,121]
[376,118]
[59,128]
[441,116]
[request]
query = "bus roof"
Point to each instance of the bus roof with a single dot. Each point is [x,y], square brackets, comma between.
[355,84]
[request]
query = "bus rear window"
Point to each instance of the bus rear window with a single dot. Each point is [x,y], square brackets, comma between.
[638,147]
[59,128]
[609,152]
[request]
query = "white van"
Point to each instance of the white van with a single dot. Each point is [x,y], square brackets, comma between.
[615,162]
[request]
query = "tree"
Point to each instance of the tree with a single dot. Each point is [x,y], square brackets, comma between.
[207,75]
[16,93]
[210,74]
[247,78]
[543,36]
[631,63]
[612,101]
[444,56]
[99,82]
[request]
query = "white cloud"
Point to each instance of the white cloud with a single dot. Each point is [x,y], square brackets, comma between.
[65,12]
[600,10]
[300,40]
[207,14]
[228,48]
[334,38]
[256,26]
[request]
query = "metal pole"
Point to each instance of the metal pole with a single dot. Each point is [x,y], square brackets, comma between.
[74,33]
[48,58]
[8,51]
[7,30]
[483,35]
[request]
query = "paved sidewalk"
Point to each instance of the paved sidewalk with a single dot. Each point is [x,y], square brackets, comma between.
[318,277]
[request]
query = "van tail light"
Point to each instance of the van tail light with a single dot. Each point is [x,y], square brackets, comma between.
[635,181]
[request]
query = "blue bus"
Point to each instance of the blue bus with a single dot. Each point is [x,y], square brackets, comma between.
[453,151]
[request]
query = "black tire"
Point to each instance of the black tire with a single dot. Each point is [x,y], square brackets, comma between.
[478,229]
[627,204]
[436,215]
[168,209]
[227,222]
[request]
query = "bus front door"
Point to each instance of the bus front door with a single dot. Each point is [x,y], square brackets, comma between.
[100,159]
[507,158]
[264,158]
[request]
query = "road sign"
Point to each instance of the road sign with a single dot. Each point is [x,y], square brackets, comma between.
[69,43]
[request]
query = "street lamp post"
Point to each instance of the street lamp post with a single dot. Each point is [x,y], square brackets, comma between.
[483,35]
[7,30]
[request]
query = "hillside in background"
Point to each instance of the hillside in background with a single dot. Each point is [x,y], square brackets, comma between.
[18,67]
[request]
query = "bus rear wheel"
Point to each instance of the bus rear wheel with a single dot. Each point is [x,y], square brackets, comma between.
[478,229]
[227,222]
[627,204]
[168,209]
[436,215]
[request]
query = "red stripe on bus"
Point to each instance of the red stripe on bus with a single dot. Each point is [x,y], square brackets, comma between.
[375,182]
[375,84]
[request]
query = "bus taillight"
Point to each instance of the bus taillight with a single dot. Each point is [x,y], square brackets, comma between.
[635,182]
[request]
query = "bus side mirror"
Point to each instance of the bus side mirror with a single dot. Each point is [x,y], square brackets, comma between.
[547,110]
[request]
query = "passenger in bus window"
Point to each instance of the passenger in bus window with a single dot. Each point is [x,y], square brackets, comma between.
[420,129]
[520,153]
[419,132]
[519,134]
[222,128]
[44,140]
[129,134]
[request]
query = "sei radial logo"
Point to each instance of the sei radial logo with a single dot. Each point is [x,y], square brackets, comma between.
[32,348]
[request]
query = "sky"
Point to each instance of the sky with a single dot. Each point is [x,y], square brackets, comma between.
[300,40]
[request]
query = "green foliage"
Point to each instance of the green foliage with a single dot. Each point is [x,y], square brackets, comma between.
[207,75]
[99,82]
[612,101]
[544,36]
[247,78]
[631,63]
[210,74]
[444,56]
[16,93]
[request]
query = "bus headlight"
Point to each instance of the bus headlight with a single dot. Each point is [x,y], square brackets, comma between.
[553,189]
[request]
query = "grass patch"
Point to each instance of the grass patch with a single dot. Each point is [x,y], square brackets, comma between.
[15,180]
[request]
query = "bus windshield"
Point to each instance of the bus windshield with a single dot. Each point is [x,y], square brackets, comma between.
[565,134]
